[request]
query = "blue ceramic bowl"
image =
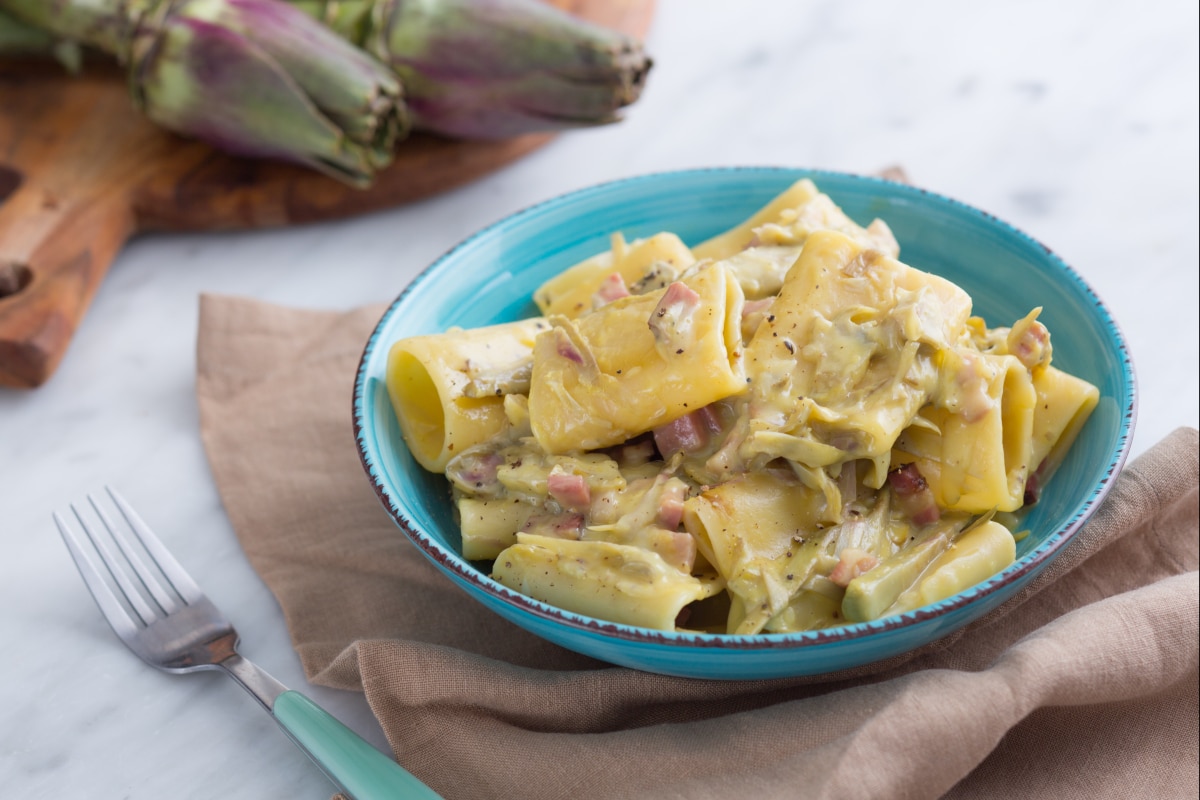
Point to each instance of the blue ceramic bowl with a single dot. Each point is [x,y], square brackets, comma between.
[490,277]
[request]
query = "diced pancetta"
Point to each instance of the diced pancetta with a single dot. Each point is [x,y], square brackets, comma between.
[671,320]
[612,288]
[682,553]
[690,433]
[913,495]
[569,489]
[852,562]
[670,504]
[1030,343]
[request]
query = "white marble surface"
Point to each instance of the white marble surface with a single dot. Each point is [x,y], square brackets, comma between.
[1075,121]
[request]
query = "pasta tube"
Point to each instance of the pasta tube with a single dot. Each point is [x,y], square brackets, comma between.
[1064,403]
[448,389]
[973,558]
[790,218]
[740,237]
[977,458]
[489,526]
[822,214]
[591,283]
[753,529]
[637,363]
[853,335]
[616,582]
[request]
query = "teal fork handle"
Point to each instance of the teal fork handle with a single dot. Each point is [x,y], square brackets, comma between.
[353,764]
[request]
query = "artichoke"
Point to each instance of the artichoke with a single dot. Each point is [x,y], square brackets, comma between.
[252,77]
[486,69]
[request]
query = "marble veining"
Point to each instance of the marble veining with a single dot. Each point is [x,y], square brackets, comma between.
[1079,127]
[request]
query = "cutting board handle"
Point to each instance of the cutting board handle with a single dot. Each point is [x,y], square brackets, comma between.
[54,251]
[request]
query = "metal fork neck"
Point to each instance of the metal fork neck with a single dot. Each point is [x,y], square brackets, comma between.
[254,679]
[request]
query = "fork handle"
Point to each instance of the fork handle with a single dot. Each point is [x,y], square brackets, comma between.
[359,769]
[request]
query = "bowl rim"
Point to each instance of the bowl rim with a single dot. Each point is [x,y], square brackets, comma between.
[1018,571]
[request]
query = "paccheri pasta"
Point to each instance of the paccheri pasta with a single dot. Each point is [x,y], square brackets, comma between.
[783,428]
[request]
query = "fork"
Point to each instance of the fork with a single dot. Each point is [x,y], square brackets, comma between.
[174,627]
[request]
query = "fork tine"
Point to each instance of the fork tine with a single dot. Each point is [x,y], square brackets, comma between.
[118,573]
[144,574]
[120,620]
[159,554]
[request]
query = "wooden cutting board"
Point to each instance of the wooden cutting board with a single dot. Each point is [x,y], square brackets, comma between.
[81,173]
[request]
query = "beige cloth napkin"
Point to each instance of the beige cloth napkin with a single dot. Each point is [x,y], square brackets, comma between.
[1084,686]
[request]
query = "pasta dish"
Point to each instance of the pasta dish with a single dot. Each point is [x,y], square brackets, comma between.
[783,428]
